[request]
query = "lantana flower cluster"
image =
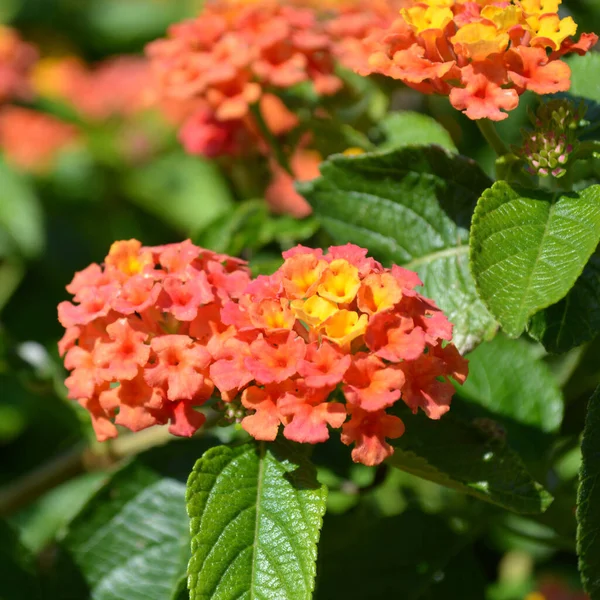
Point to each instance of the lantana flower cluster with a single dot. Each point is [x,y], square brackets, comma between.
[330,340]
[136,337]
[482,54]
[235,56]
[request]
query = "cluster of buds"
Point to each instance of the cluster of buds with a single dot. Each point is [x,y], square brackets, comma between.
[233,57]
[483,54]
[328,341]
[16,61]
[547,149]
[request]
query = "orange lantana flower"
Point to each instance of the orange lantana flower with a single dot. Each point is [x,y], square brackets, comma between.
[482,54]
[155,332]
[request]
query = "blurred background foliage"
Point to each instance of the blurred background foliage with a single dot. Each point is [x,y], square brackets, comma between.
[128,177]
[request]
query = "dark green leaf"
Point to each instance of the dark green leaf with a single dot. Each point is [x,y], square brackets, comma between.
[362,556]
[411,207]
[186,192]
[409,128]
[21,218]
[528,248]
[506,376]
[462,578]
[588,501]
[470,457]
[576,318]
[256,514]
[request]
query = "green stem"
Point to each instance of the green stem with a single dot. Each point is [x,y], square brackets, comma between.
[81,459]
[271,140]
[488,130]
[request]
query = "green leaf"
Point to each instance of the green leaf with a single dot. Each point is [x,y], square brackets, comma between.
[528,248]
[250,227]
[588,501]
[186,192]
[409,128]
[41,521]
[470,457]
[131,540]
[362,556]
[21,218]
[576,318]
[506,376]
[411,207]
[118,21]
[256,512]
[17,571]
[584,76]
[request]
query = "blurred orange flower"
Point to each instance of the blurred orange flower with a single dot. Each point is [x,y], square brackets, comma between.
[119,86]
[234,54]
[31,140]
[16,61]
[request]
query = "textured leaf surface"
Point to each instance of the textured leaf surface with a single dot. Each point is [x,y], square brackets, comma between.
[528,248]
[256,512]
[358,543]
[507,377]
[409,128]
[576,318]
[584,76]
[410,207]
[469,457]
[131,541]
[588,502]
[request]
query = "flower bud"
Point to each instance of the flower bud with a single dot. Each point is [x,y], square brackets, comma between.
[546,149]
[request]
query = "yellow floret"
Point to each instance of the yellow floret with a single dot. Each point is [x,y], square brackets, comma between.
[339,282]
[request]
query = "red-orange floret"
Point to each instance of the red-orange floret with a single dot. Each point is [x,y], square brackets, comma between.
[178,367]
[324,365]
[264,423]
[183,297]
[370,384]
[368,432]
[394,337]
[119,358]
[308,413]
[275,359]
